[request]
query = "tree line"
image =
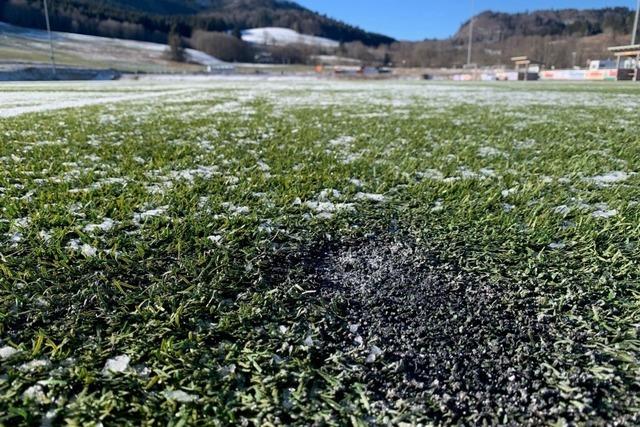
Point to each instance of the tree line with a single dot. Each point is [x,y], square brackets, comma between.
[110,19]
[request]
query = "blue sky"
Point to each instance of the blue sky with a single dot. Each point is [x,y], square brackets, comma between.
[419,19]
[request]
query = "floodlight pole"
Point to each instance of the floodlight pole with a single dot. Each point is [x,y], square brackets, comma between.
[52,57]
[471,32]
[635,24]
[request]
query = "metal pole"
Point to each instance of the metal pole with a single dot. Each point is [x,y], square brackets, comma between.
[635,24]
[52,57]
[471,32]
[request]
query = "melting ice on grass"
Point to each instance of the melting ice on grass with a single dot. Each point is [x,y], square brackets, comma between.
[509,192]
[191,174]
[180,396]
[327,209]
[308,342]
[46,236]
[610,178]
[216,239]
[35,365]
[373,354]
[557,245]
[605,213]
[562,210]
[328,194]
[342,141]
[21,223]
[108,181]
[116,365]
[236,210]
[490,152]
[602,210]
[438,206]
[35,393]
[106,225]
[370,196]
[85,249]
[15,238]
[433,174]
[151,213]
[7,352]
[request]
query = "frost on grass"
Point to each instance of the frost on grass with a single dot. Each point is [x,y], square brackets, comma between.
[414,330]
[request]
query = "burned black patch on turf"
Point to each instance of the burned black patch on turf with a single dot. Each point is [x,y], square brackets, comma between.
[458,345]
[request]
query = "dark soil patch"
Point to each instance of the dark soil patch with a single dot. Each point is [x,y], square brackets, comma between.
[456,346]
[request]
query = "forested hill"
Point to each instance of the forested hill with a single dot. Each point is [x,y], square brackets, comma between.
[559,38]
[152,20]
[496,26]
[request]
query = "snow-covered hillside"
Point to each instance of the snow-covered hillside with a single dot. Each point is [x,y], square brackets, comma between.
[276,36]
[18,43]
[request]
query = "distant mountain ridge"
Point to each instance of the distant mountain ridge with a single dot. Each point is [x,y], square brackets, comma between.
[556,38]
[152,20]
[187,7]
[492,26]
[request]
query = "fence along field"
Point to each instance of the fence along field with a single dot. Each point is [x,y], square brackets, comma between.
[297,252]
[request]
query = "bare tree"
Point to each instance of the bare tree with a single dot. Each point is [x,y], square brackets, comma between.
[176,47]
[222,46]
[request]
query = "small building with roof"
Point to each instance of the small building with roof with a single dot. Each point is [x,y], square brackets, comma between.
[627,61]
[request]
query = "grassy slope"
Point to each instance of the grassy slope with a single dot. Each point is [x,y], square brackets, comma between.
[205,316]
[100,53]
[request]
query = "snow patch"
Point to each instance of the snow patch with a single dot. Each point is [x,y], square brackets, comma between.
[7,352]
[35,365]
[116,365]
[605,213]
[35,393]
[106,225]
[370,196]
[277,36]
[610,178]
[151,213]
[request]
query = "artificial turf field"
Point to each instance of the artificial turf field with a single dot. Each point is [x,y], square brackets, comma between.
[256,252]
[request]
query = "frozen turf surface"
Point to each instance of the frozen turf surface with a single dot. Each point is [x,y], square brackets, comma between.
[310,252]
